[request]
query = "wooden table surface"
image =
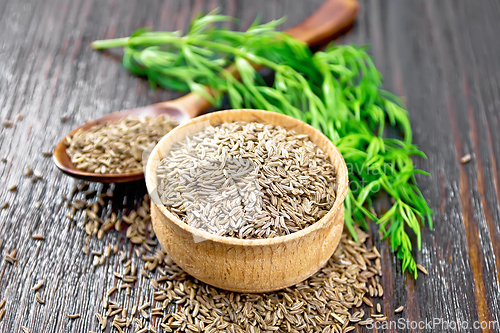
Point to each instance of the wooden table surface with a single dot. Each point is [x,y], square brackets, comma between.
[442,55]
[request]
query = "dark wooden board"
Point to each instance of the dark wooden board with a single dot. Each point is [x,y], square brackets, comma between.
[442,56]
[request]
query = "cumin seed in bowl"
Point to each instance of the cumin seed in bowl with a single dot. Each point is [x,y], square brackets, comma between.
[247,180]
[276,253]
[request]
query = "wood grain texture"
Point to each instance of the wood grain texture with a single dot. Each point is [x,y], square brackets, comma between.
[442,56]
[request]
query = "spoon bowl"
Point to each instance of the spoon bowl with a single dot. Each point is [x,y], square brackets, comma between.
[329,20]
[178,109]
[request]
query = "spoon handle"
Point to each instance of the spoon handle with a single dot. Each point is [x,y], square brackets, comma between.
[331,18]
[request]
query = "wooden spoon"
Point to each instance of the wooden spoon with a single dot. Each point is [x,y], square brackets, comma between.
[330,19]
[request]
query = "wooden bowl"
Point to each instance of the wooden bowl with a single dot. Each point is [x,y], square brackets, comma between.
[246,265]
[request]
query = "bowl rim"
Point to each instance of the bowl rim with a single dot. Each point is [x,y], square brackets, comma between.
[341,175]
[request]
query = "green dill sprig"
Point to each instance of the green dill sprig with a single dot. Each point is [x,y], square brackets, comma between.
[338,91]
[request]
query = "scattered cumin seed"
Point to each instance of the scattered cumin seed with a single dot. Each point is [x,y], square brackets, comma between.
[111,291]
[11,257]
[2,313]
[38,237]
[25,330]
[144,306]
[112,313]
[28,172]
[2,304]
[107,251]
[73,316]
[380,290]
[47,154]
[129,278]
[422,269]
[367,302]
[19,117]
[5,205]
[8,123]
[13,188]
[399,309]
[38,204]
[9,260]
[37,286]
[101,320]
[117,326]
[39,298]
[465,158]
[338,318]
[64,117]
[173,286]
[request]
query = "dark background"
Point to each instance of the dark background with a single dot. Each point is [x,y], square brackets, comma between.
[441,55]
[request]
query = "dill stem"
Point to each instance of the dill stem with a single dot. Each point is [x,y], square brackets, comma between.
[109,43]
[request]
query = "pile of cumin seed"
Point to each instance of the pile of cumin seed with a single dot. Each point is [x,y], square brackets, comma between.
[330,301]
[247,180]
[116,147]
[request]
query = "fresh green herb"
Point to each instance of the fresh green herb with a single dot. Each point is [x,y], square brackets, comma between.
[338,91]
